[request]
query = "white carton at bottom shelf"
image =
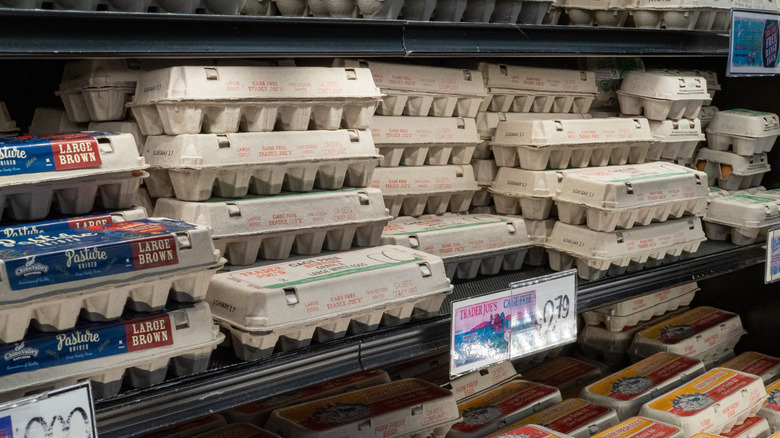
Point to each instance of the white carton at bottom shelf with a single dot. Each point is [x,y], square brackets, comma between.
[124,126]
[744,132]
[771,410]
[468,244]
[662,95]
[412,191]
[675,140]
[766,367]
[575,417]
[746,218]
[414,141]
[567,374]
[598,253]
[731,171]
[477,381]
[145,349]
[753,427]
[48,121]
[321,298]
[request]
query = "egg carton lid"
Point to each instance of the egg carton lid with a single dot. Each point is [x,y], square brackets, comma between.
[753,427]
[120,126]
[238,430]
[245,84]
[664,86]
[487,122]
[599,338]
[541,133]
[563,372]
[766,367]
[428,131]
[740,165]
[516,182]
[667,131]
[48,121]
[528,430]
[99,73]
[484,171]
[640,427]
[637,304]
[427,179]
[744,211]
[745,123]
[709,75]
[515,77]
[574,416]
[539,230]
[478,381]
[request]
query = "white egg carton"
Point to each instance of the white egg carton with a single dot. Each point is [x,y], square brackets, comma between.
[596,254]
[619,197]
[633,311]
[48,121]
[715,401]
[676,14]
[484,173]
[639,427]
[713,84]
[405,408]
[273,227]
[743,132]
[628,389]
[487,122]
[144,349]
[558,144]
[744,217]
[538,12]
[69,171]
[489,411]
[706,114]
[574,417]
[675,140]
[191,99]
[567,374]
[538,232]
[771,410]
[478,381]
[196,167]
[507,11]
[122,127]
[528,191]
[321,298]
[415,141]
[231,7]
[97,89]
[751,362]
[7,124]
[412,191]
[753,427]
[731,171]
[662,95]
[603,13]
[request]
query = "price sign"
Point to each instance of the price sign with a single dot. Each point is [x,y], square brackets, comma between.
[753,44]
[772,265]
[62,413]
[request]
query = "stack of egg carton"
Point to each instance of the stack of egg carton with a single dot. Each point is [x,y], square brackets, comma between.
[8,126]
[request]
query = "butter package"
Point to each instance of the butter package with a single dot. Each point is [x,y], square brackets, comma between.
[145,348]
[743,217]
[675,141]
[771,410]
[321,298]
[477,381]
[468,244]
[751,362]
[627,390]
[54,275]
[527,430]
[415,141]
[640,427]
[195,167]
[662,95]
[238,430]
[404,408]
[753,427]
[567,374]
[68,171]
[490,411]
[574,417]
[731,171]
[743,132]
[714,402]
[190,428]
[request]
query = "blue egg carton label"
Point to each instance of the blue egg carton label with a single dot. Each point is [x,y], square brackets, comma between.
[35,228]
[19,155]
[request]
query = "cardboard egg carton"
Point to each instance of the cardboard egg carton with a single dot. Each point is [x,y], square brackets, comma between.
[479,11]
[731,171]
[144,349]
[412,191]
[771,411]
[196,167]
[476,382]
[675,141]
[121,127]
[751,428]
[743,132]
[554,12]
[528,191]
[68,171]
[218,99]
[484,172]
[596,254]
[574,417]
[538,232]
[7,124]
[567,374]
[558,144]
[677,14]
[713,84]
[57,273]
[639,427]
[97,89]
[706,114]
[761,365]
[48,121]
[410,407]
[631,312]
[468,244]
[230,7]
[321,298]
[538,12]
[602,13]
[416,141]
[487,122]
[746,218]
[507,11]
[534,430]
[275,226]
[662,95]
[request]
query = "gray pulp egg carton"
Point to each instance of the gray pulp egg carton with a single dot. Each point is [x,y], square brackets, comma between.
[415,141]
[674,14]
[526,192]
[287,305]
[7,124]
[539,12]
[68,171]
[475,382]
[558,144]
[706,114]
[97,89]
[421,90]
[675,140]
[731,171]
[195,167]
[142,349]
[272,227]
[620,196]
[216,99]
[538,232]
[412,191]
[743,132]
[485,173]
[596,254]
[744,217]
[48,121]
[603,13]
[229,7]
[662,95]
[468,244]
[54,275]
[540,90]
[121,127]
[507,11]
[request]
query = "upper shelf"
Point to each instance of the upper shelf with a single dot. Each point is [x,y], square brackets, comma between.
[71,34]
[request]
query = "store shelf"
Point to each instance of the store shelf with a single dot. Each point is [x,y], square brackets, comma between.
[230,383]
[69,34]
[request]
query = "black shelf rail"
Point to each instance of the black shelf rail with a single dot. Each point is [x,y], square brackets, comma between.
[78,34]
[236,383]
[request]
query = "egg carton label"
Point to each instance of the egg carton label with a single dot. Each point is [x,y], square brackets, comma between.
[773,402]
[534,78]
[502,402]
[753,363]
[642,377]
[757,423]
[60,224]
[687,325]
[578,417]
[526,431]
[85,344]
[638,427]
[48,154]
[426,78]
[560,371]
[703,392]
[631,173]
[540,133]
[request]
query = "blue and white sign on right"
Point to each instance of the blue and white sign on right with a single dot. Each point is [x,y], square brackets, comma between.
[753,44]
[772,266]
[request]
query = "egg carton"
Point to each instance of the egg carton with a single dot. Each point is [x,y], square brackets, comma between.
[528,191]
[478,381]
[761,365]
[58,274]
[95,220]
[479,11]
[273,227]
[678,15]
[293,303]
[142,200]
[238,430]
[721,357]
[753,427]
[507,11]
[742,393]
[662,95]
[771,411]
[69,171]
[603,13]
[554,12]
[189,428]
[489,209]
[121,127]
[260,7]
[484,172]
[196,167]
[507,404]
[468,244]
[340,8]
[567,374]
[639,427]
[415,141]
[7,124]
[746,218]
[574,417]
[482,198]
[706,114]
[96,89]
[487,122]
[633,311]
[407,408]
[538,12]
[528,361]
[597,253]
[675,140]
[558,144]
[437,189]
[191,99]
[742,131]
[48,121]
[538,232]
[531,430]
[144,348]
[731,171]
[713,84]
[232,7]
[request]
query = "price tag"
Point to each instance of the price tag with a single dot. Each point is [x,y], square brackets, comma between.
[753,44]
[772,265]
[67,412]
